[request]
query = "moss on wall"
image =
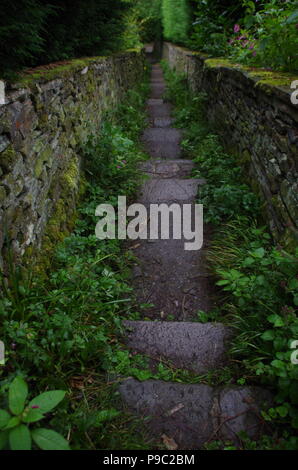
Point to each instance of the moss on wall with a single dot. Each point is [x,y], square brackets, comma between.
[49,113]
[251,110]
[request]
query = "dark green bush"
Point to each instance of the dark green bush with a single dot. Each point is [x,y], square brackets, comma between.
[33,32]
[176,19]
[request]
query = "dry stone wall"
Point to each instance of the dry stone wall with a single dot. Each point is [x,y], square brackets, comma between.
[45,119]
[252,111]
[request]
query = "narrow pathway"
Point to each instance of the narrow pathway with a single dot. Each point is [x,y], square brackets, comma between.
[177,284]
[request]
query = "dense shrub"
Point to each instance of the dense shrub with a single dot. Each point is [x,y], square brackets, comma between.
[212,22]
[176,20]
[267,35]
[33,32]
[258,279]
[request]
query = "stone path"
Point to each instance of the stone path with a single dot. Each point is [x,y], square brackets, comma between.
[177,284]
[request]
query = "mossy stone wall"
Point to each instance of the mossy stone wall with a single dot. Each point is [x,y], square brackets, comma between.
[46,117]
[251,110]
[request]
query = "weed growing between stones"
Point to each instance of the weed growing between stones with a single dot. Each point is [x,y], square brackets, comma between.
[63,332]
[258,280]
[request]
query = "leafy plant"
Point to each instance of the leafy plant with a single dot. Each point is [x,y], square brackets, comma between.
[70,321]
[173,10]
[16,421]
[258,281]
[268,36]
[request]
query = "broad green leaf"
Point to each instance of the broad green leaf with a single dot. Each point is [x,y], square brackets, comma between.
[282,411]
[48,439]
[142,374]
[278,364]
[105,415]
[47,400]
[293,284]
[276,320]
[248,261]
[20,438]
[17,394]
[32,416]
[222,282]
[4,418]
[268,335]
[258,253]
[13,422]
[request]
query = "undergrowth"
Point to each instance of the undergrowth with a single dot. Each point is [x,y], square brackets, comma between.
[257,278]
[64,332]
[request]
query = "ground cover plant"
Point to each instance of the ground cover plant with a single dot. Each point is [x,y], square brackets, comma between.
[257,278]
[64,332]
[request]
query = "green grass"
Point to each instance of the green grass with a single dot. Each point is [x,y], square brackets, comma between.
[258,283]
[64,332]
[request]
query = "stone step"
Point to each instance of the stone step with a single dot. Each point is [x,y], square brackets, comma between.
[167,168]
[198,347]
[161,149]
[152,101]
[156,73]
[195,414]
[157,89]
[174,281]
[162,136]
[157,76]
[168,151]
[159,110]
[162,122]
[157,80]
[169,190]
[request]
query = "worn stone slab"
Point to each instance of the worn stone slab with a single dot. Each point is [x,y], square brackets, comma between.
[169,190]
[162,149]
[171,135]
[158,80]
[159,110]
[157,89]
[194,414]
[182,412]
[152,101]
[156,73]
[244,404]
[174,281]
[188,345]
[162,122]
[167,168]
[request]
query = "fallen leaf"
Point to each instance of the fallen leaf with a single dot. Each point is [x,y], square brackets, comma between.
[135,246]
[175,409]
[169,442]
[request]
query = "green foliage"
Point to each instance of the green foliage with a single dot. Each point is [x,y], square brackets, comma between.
[15,421]
[21,25]
[223,196]
[261,304]
[148,19]
[176,20]
[262,34]
[268,35]
[33,33]
[213,22]
[285,442]
[258,280]
[68,326]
